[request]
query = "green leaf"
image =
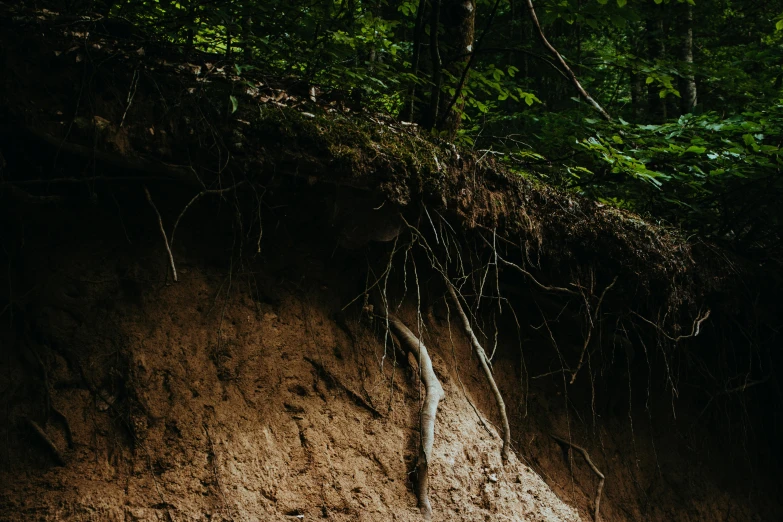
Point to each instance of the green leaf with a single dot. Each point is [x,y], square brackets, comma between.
[234,104]
[621,3]
[696,149]
[779,25]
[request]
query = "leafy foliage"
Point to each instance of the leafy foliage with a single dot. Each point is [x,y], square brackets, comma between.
[710,163]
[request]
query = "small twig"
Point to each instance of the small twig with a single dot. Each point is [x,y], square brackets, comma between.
[745,386]
[601,299]
[595,469]
[163,232]
[44,439]
[131,94]
[547,374]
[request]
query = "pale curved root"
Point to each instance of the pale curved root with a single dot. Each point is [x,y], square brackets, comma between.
[595,469]
[504,452]
[433,394]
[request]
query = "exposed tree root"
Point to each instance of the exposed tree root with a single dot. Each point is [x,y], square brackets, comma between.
[358,399]
[44,439]
[163,233]
[591,321]
[534,280]
[595,469]
[433,394]
[694,331]
[196,198]
[487,372]
[152,168]
[49,407]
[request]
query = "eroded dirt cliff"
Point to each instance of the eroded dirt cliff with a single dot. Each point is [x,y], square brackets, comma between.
[263,384]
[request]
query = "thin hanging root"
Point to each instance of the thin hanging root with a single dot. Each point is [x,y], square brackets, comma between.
[199,196]
[487,372]
[595,469]
[162,232]
[434,393]
[591,320]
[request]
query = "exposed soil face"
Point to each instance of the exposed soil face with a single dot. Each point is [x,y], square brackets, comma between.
[230,397]
[263,385]
[245,392]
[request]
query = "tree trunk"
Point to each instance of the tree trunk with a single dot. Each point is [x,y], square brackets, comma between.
[458,21]
[656,52]
[418,30]
[688,81]
[637,94]
[247,30]
[636,39]
[435,59]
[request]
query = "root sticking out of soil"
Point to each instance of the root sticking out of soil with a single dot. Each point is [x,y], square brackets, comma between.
[482,356]
[432,396]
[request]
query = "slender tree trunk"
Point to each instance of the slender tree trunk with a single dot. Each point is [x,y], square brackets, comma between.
[229,35]
[458,19]
[435,58]
[190,33]
[417,33]
[638,97]
[247,30]
[688,81]
[656,52]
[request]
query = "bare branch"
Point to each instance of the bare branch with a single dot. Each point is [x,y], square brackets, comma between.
[563,64]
